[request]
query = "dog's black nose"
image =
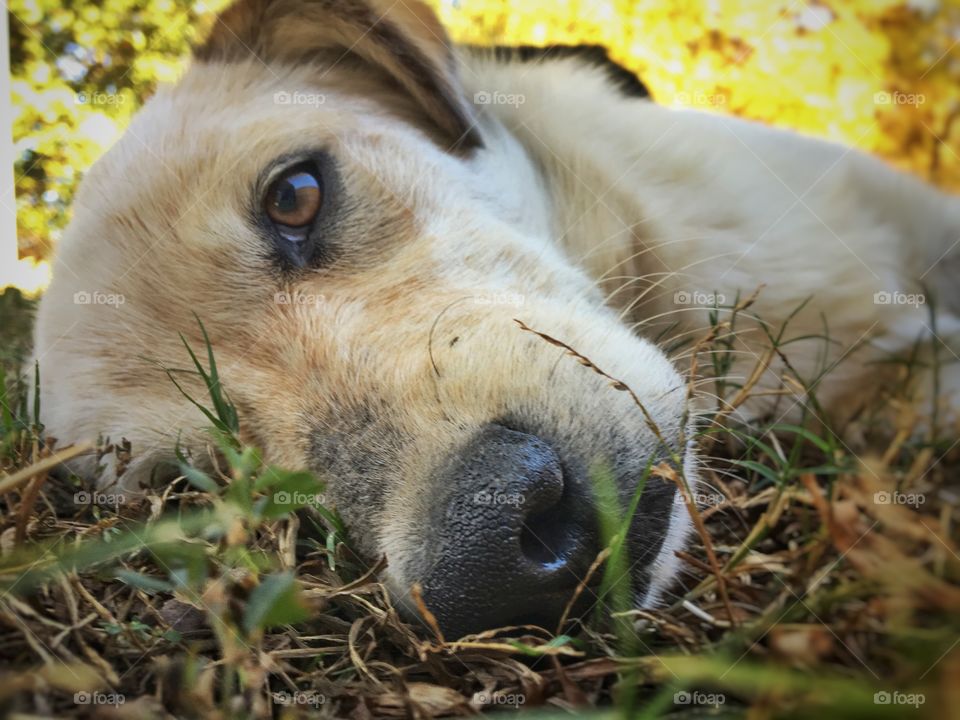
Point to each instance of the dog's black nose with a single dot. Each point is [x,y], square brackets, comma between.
[515,536]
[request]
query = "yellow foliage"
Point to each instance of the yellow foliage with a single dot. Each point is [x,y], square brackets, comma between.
[880,75]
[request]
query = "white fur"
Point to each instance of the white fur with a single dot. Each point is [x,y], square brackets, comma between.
[719,205]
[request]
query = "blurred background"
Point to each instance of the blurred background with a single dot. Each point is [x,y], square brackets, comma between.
[881,75]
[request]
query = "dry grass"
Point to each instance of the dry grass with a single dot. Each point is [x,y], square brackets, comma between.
[806,594]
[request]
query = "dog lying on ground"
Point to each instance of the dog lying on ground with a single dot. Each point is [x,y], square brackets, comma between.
[359,213]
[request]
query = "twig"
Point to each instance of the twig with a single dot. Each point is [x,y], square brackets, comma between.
[41,466]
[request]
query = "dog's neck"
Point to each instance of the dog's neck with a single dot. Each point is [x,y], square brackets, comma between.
[561,112]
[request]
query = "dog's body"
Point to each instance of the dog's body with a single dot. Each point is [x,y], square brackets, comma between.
[381,348]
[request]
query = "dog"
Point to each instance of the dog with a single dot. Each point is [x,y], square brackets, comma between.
[443,278]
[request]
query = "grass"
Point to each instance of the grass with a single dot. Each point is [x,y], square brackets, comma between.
[234,593]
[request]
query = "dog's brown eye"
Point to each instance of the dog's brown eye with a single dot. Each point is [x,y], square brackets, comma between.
[294,198]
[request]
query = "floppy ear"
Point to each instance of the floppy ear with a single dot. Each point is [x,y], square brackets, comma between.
[404,39]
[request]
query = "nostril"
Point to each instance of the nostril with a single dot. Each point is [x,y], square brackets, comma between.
[548,535]
[545,542]
[548,538]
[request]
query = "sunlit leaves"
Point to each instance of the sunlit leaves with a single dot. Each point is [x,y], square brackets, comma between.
[79,74]
[830,69]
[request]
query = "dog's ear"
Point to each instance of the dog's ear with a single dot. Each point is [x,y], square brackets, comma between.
[404,39]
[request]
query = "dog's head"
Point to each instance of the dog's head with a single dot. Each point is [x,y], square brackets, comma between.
[359,244]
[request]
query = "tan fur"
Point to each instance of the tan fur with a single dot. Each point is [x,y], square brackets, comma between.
[397,353]
[403,39]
